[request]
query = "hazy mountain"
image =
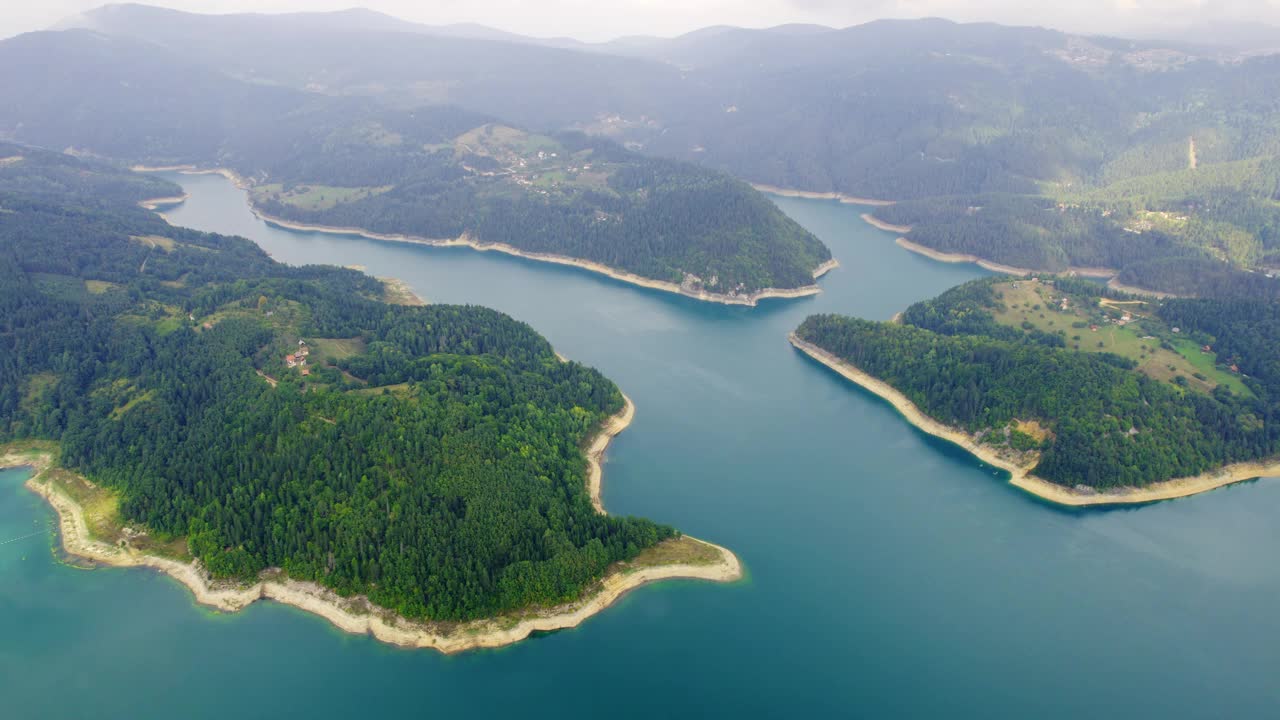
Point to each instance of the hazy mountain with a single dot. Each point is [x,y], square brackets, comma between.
[146,21]
[439,171]
[1225,36]
[531,84]
[900,108]
[897,109]
[88,90]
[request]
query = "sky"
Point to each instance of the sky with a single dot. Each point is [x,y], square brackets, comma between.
[596,20]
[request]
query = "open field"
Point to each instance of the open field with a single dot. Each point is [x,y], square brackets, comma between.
[504,143]
[98,287]
[396,389]
[154,241]
[316,197]
[1038,305]
[1206,363]
[328,349]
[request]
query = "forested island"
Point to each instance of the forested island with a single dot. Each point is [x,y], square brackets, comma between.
[1084,394]
[257,430]
[436,174]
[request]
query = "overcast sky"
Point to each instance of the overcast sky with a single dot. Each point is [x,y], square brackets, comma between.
[605,19]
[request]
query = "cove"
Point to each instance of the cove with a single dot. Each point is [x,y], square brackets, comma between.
[890,575]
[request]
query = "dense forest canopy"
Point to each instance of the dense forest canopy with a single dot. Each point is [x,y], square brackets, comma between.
[428,457]
[1111,417]
[435,172]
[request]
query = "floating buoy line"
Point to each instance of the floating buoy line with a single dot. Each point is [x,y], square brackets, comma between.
[24,537]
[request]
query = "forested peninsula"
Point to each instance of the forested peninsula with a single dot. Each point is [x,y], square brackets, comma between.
[440,173]
[1084,395]
[427,474]
[689,287]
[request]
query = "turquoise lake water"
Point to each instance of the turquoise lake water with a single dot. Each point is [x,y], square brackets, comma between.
[890,575]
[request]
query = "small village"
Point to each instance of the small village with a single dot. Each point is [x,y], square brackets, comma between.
[298,358]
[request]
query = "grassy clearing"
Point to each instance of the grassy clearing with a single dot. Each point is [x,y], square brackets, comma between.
[507,144]
[677,551]
[102,516]
[398,292]
[533,144]
[1170,222]
[397,389]
[35,387]
[101,505]
[501,141]
[330,349]
[99,287]
[155,241]
[375,133]
[567,177]
[594,179]
[1206,364]
[1085,329]
[133,402]
[164,326]
[285,315]
[1032,302]
[532,160]
[551,178]
[317,197]
[1032,428]
[30,448]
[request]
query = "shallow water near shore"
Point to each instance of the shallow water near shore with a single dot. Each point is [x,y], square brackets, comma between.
[890,574]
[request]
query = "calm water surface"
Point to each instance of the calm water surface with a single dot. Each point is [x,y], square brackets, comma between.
[890,575]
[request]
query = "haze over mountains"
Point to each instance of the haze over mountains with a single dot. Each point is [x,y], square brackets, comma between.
[439,172]
[1239,23]
[1170,141]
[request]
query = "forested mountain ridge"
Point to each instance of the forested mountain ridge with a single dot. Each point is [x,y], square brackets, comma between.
[1220,243]
[1122,414]
[430,458]
[438,172]
[1139,136]
[892,108]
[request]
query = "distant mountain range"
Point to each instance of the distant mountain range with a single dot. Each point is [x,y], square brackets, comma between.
[144,21]
[439,172]
[941,113]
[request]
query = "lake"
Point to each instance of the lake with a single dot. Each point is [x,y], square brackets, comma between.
[889,574]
